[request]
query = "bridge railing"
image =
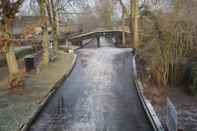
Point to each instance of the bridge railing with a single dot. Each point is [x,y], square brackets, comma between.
[99,30]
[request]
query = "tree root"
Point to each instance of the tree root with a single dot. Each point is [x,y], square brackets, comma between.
[16,81]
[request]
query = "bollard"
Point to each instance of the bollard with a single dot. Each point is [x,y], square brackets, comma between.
[29,63]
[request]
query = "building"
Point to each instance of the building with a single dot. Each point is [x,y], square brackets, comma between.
[28,26]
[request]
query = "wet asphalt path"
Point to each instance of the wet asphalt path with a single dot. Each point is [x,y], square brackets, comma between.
[98,96]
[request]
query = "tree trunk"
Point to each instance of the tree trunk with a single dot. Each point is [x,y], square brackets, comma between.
[45,46]
[55,37]
[53,23]
[45,57]
[134,23]
[11,60]
[58,25]
[54,26]
[124,13]
[10,54]
[123,30]
[15,78]
[49,11]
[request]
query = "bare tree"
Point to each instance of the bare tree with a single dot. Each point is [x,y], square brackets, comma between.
[135,23]
[168,38]
[104,10]
[42,6]
[8,11]
[87,20]
[53,16]
[124,15]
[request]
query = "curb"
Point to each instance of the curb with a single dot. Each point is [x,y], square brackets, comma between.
[148,108]
[45,100]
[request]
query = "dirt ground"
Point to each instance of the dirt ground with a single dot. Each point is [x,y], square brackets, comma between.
[185,104]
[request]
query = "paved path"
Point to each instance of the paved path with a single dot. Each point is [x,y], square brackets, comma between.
[98,96]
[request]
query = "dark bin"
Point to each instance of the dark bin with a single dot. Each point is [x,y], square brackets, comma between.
[29,63]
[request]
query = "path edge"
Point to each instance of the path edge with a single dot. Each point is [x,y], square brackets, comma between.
[45,100]
[148,108]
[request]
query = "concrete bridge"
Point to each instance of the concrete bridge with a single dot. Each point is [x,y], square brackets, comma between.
[115,33]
